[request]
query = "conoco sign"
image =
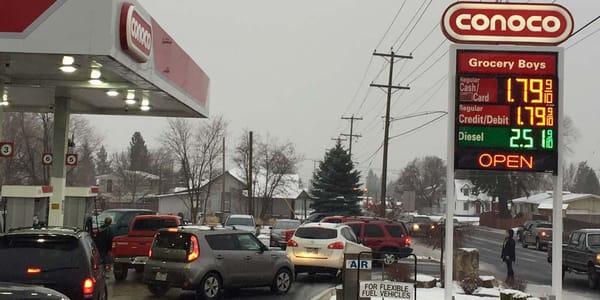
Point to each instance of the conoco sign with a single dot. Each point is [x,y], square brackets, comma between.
[135,33]
[507,23]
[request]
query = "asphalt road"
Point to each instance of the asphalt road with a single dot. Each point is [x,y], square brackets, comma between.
[304,288]
[531,266]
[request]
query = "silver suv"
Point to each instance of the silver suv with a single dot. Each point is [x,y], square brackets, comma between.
[209,260]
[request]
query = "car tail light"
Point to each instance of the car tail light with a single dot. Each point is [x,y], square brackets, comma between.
[88,286]
[34,270]
[194,249]
[336,245]
[150,253]
[172,229]
[406,241]
[114,245]
[292,243]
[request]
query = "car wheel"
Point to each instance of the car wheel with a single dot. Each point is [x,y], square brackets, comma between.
[120,271]
[592,278]
[139,269]
[211,287]
[282,281]
[158,290]
[104,294]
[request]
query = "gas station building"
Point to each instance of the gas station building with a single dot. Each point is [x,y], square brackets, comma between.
[91,57]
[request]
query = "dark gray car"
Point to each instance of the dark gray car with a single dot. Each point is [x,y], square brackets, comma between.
[210,260]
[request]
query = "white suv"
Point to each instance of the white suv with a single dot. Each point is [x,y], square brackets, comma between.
[319,247]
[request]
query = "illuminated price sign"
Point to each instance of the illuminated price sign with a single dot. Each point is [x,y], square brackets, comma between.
[506,110]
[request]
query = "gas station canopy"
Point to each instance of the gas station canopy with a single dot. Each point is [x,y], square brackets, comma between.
[108,57]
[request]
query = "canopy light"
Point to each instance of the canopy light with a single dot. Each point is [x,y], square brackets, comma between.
[112,93]
[95,81]
[68,60]
[145,107]
[145,102]
[68,69]
[5,96]
[4,103]
[95,74]
[130,101]
[130,94]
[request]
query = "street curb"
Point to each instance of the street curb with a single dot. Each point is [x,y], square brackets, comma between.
[325,295]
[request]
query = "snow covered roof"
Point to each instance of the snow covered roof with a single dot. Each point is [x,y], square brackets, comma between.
[143,174]
[290,189]
[547,196]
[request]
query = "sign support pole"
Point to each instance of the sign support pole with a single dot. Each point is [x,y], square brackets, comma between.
[450,199]
[557,201]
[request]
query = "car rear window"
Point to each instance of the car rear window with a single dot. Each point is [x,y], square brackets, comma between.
[221,241]
[316,233]
[286,224]
[395,230]
[544,225]
[49,253]
[173,240]
[153,224]
[421,220]
[240,222]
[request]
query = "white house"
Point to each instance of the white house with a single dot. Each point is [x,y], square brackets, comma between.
[467,201]
[581,207]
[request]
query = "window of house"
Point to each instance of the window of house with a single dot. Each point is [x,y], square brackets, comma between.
[465,192]
[466,206]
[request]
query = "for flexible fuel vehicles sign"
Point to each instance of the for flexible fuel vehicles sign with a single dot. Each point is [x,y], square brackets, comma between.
[507,23]
[506,110]
[135,33]
[387,290]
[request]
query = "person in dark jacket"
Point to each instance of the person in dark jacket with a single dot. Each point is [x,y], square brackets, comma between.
[508,254]
[104,242]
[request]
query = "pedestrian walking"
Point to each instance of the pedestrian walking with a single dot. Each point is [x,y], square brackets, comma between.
[508,255]
[104,242]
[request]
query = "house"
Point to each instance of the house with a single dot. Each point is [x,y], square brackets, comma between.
[579,207]
[127,185]
[468,202]
[287,200]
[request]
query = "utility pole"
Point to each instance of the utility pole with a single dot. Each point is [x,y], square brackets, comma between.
[386,134]
[223,179]
[250,194]
[351,135]
[339,139]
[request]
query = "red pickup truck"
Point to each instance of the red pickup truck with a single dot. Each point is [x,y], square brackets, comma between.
[131,250]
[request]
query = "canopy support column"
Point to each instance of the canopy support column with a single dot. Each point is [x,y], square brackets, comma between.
[58,175]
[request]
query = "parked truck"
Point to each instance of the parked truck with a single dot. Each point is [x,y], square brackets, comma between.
[581,254]
[131,250]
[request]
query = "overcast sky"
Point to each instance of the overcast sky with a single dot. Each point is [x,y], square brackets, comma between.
[291,69]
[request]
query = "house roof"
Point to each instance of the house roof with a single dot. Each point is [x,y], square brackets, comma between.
[545,200]
[183,190]
[143,174]
[290,189]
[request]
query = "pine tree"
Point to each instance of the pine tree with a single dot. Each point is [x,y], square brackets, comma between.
[586,180]
[139,157]
[103,165]
[335,185]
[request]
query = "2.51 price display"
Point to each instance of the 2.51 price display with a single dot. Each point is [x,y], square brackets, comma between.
[506,118]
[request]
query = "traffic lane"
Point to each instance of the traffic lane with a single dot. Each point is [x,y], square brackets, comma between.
[531,266]
[305,287]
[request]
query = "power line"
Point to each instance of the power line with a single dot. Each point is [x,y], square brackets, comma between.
[427,90]
[362,80]
[410,22]
[584,38]
[414,25]
[584,26]
[419,127]
[390,26]
[430,66]
[426,59]
[426,37]
[432,96]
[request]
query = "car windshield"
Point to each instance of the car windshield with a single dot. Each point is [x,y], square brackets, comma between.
[421,220]
[286,225]
[316,233]
[594,240]
[114,215]
[240,222]
[544,225]
[173,240]
[47,252]
[153,224]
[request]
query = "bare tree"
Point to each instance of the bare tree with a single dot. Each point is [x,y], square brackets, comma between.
[198,149]
[274,164]
[131,182]
[426,177]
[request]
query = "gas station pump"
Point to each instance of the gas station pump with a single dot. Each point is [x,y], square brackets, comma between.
[22,203]
[79,203]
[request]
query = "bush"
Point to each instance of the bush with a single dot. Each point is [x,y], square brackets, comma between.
[516,284]
[470,283]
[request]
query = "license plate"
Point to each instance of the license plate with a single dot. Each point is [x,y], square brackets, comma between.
[161,276]
[140,260]
[312,250]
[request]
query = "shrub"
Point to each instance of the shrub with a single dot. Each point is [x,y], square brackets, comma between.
[470,283]
[516,284]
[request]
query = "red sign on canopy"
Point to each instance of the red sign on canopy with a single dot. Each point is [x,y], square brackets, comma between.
[17,16]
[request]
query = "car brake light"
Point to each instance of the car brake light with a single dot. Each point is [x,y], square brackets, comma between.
[194,249]
[336,245]
[292,243]
[34,270]
[150,253]
[172,229]
[88,286]
[407,241]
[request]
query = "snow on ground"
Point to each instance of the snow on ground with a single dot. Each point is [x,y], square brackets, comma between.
[424,278]
[486,278]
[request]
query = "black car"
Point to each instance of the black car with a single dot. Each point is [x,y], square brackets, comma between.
[11,291]
[62,259]
[121,218]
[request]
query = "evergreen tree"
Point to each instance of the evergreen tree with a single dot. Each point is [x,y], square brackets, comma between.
[335,185]
[586,180]
[139,157]
[102,162]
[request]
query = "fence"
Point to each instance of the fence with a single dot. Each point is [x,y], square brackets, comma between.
[494,220]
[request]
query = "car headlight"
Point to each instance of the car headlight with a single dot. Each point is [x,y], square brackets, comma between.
[598,258]
[416,227]
[543,233]
[432,226]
